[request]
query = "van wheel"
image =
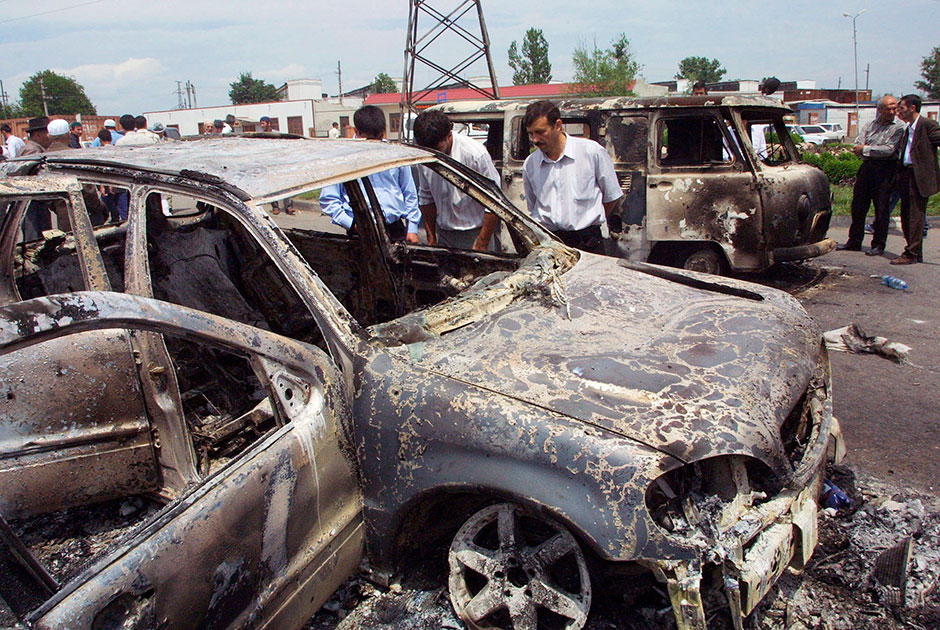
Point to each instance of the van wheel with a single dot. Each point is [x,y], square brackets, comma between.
[514,570]
[704,259]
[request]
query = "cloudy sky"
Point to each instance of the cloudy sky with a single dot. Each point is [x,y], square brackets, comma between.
[129,54]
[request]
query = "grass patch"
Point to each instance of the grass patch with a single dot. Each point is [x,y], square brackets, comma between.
[310,195]
[842,202]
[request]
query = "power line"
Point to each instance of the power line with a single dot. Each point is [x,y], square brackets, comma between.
[26,17]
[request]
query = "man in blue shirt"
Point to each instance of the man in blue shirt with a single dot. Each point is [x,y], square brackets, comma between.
[394,189]
[116,135]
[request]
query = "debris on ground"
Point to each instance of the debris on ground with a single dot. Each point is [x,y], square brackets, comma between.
[853,339]
[860,578]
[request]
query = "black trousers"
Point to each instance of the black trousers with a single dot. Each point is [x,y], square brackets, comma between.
[913,213]
[589,239]
[872,186]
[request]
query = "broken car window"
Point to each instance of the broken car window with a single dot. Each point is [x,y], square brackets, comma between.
[691,141]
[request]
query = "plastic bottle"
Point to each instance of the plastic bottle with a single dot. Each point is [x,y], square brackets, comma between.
[832,496]
[894,283]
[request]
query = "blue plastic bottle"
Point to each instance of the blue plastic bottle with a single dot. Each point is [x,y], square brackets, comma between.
[894,283]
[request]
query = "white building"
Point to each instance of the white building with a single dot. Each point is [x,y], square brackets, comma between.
[306,112]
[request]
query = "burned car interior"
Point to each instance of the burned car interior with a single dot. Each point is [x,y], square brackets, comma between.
[244,409]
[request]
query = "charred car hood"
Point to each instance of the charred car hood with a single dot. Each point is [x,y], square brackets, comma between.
[688,371]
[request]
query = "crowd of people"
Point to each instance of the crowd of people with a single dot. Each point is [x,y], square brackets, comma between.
[899,160]
[44,135]
[570,183]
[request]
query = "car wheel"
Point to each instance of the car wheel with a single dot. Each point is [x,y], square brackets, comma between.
[512,569]
[705,260]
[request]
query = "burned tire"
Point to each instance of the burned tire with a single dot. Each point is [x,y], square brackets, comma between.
[514,570]
[704,259]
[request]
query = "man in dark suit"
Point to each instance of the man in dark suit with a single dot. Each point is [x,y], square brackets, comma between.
[918,177]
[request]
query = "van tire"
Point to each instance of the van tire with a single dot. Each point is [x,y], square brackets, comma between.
[705,259]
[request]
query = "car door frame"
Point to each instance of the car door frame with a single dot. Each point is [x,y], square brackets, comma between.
[304,540]
[61,464]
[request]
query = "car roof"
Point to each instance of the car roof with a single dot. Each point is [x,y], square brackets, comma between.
[619,102]
[259,167]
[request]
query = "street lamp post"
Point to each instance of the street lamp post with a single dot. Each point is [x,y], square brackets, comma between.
[855,55]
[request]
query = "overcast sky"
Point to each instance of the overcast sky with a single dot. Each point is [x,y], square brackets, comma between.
[129,54]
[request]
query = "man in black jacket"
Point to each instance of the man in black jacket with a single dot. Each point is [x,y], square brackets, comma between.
[918,177]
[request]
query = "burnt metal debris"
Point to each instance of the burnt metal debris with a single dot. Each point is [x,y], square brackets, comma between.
[286,402]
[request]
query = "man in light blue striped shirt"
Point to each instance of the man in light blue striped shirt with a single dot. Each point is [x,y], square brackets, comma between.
[394,189]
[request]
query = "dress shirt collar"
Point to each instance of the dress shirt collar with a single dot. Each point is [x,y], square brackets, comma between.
[568,152]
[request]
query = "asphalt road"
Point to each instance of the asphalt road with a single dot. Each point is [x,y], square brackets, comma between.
[889,413]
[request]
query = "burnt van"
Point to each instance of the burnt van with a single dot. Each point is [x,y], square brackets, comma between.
[710,183]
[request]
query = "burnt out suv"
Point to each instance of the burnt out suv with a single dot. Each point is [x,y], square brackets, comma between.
[710,183]
[210,416]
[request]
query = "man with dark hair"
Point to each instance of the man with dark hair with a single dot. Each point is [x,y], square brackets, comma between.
[699,88]
[13,144]
[110,127]
[394,189]
[334,131]
[266,124]
[877,145]
[570,184]
[451,218]
[75,135]
[139,135]
[104,137]
[919,176]
[229,124]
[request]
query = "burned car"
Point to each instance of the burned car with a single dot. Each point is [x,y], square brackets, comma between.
[710,183]
[209,420]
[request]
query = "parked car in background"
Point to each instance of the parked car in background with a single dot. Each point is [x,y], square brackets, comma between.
[834,131]
[207,420]
[812,134]
[711,184]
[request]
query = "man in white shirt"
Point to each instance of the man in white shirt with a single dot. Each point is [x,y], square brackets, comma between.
[570,184]
[334,131]
[451,218]
[12,143]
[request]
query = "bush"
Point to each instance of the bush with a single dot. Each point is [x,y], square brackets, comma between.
[838,167]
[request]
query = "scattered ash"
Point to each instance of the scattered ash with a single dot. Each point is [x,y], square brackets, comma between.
[795,277]
[840,590]
[66,542]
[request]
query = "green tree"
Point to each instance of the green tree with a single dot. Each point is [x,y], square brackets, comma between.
[930,70]
[605,72]
[383,84]
[532,66]
[700,69]
[10,111]
[64,95]
[251,90]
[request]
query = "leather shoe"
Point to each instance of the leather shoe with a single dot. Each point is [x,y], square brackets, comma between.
[875,251]
[904,259]
[848,247]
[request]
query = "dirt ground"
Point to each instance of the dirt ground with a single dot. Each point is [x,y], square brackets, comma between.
[891,424]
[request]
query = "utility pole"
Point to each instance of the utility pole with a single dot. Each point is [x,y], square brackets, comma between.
[416,50]
[339,77]
[855,55]
[867,70]
[42,91]
[180,103]
[191,95]
[839,87]
[4,96]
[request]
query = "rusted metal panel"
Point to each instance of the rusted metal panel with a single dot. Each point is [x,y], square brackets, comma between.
[268,537]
